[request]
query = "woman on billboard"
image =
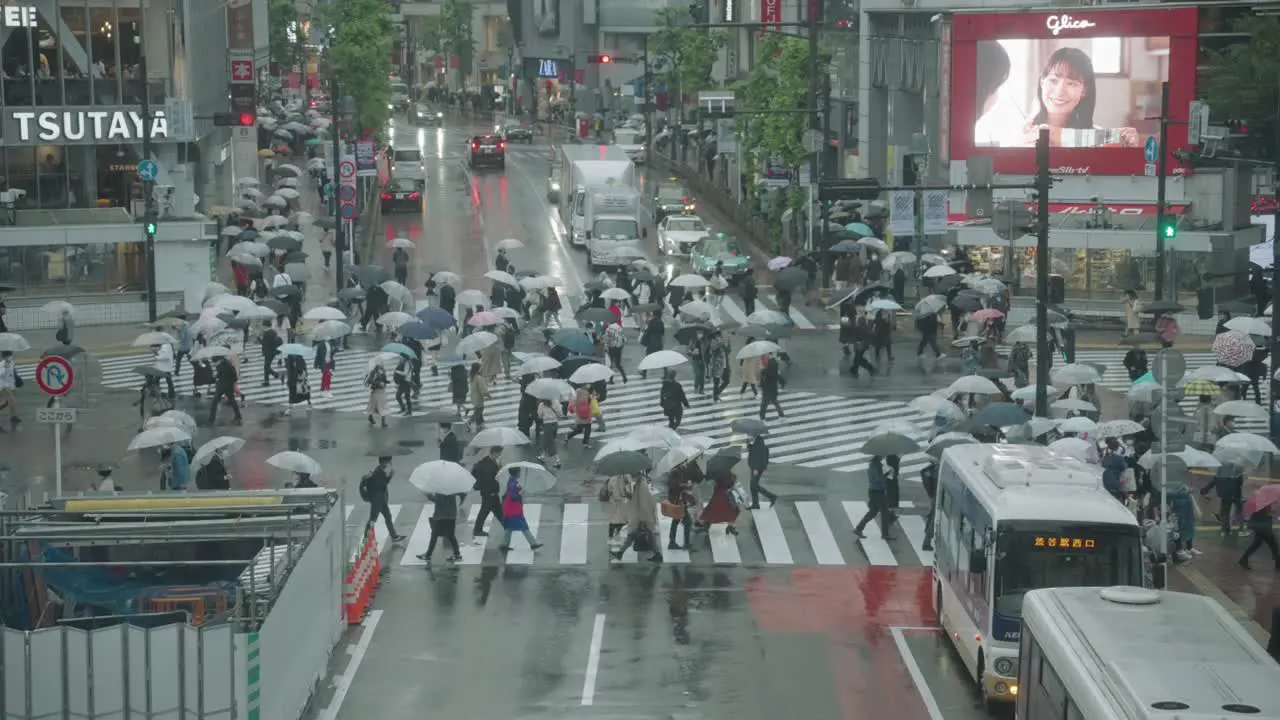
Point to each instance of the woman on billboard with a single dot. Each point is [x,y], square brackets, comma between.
[1068,94]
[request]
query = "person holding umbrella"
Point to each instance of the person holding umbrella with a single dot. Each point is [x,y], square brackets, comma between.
[642,518]
[721,508]
[271,342]
[672,399]
[680,504]
[444,523]
[295,379]
[376,382]
[882,495]
[771,381]
[549,418]
[651,338]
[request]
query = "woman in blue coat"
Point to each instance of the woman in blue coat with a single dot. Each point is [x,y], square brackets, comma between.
[513,519]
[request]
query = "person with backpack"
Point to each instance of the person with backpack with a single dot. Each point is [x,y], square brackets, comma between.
[614,341]
[270,341]
[375,490]
[376,382]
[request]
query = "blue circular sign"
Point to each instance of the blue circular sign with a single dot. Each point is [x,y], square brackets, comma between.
[148,170]
[348,212]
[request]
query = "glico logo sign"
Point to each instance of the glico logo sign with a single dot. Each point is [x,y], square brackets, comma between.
[1057,23]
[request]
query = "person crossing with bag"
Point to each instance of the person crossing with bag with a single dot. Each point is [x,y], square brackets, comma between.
[642,520]
[580,409]
[614,341]
[679,507]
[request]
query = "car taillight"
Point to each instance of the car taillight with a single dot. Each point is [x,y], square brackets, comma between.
[475,146]
[413,196]
[501,145]
[685,199]
[386,196]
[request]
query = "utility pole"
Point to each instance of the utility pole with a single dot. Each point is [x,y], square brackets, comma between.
[148,188]
[815,122]
[339,230]
[1043,182]
[648,105]
[1275,279]
[1162,172]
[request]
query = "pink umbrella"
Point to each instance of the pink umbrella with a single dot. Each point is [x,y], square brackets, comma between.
[987,315]
[1266,495]
[1233,348]
[484,318]
[779,263]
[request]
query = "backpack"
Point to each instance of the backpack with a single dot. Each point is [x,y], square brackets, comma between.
[377,378]
[365,493]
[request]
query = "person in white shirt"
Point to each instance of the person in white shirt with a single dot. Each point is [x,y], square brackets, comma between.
[281,280]
[165,363]
[8,387]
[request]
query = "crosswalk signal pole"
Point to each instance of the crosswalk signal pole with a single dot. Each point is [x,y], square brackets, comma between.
[1043,182]
[1162,172]
[148,191]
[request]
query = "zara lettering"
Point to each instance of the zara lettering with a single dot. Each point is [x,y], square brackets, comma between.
[121,125]
[1058,23]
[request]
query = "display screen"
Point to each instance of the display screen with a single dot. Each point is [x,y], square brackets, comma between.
[1063,542]
[1090,92]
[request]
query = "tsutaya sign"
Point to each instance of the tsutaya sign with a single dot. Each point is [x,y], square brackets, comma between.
[81,126]
[1058,23]
[18,16]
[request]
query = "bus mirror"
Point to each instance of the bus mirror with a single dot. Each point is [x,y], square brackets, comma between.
[977,562]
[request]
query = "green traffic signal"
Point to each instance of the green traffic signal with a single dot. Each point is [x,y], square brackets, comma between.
[1168,228]
[150,228]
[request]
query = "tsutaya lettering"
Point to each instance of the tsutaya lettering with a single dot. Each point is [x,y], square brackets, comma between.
[17,16]
[119,125]
[1058,23]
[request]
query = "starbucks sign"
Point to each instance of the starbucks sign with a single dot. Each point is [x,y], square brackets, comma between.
[81,126]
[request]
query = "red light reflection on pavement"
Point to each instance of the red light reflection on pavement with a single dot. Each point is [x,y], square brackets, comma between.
[854,609]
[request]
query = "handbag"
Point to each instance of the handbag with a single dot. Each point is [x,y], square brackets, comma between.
[1128,481]
[643,541]
[675,511]
[739,495]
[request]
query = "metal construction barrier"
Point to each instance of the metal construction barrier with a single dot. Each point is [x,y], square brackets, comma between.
[362,581]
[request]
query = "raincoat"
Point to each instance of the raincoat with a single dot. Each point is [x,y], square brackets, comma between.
[721,508]
[179,473]
[513,508]
[619,488]
[642,507]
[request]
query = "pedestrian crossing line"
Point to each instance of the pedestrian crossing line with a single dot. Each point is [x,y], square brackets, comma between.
[875,547]
[521,553]
[818,530]
[729,307]
[797,317]
[772,539]
[913,527]
[678,557]
[573,539]
[473,552]
[724,547]
[420,538]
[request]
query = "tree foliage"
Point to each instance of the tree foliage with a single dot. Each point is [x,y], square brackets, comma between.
[282,20]
[683,56]
[454,33]
[779,81]
[360,55]
[1241,81]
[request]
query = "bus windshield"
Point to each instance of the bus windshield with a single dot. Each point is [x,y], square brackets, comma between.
[1050,555]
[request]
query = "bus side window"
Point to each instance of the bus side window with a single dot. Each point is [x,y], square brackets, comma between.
[1050,701]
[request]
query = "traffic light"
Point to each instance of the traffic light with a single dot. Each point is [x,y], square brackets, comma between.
[149,229]
[1168,227]
[233,119]
[600,59]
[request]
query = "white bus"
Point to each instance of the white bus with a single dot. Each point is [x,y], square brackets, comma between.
[1128,653]
[1014,518]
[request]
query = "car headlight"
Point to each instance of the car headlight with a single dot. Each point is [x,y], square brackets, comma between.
[439,114]
[555,187]
[1003,666]
[391,106]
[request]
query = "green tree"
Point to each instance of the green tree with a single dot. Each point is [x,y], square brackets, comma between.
[684,56]
[778,85]
[360,56]
[1243,80]
[453,32]
[282,22]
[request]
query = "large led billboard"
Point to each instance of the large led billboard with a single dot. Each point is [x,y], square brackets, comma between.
[1092,77]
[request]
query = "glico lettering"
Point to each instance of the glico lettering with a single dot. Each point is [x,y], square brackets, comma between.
[1058,23]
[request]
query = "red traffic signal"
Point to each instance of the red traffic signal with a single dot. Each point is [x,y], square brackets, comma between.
[600,59]
[246,119]
[234,119]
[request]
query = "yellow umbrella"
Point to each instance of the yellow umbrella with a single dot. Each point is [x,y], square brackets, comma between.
[1202,387]
[266,153]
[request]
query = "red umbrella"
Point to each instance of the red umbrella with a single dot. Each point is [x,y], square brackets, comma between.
[1266,496]
[987,314]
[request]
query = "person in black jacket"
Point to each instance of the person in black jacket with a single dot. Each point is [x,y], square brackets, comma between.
[376,303]
[450,446]
[374,489]
[444,524]
[213,476]
[404,386]
[928,327]
[929,478]
[1264,533]
[271,342]
[448,298]
[486,474]
[758,462]
[651,338]
[459,387]
[527,410]
[672,399]
[747,287]
[225,378]
[770,383]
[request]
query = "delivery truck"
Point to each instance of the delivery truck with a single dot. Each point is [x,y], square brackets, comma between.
[614,233]
[584,166]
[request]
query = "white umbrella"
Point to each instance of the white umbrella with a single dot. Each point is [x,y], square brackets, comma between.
[230,231]
[505,278]
[226,443]
[1241,409]
[1023,334]
[1073,405]
[295,462]
[676,457]
[442,477]
[1037,426]
[973,384]
[159,437]
[329,330]
[883,304]
[400,242]
[938,271]
[1191,457]
[210,352]
[261,312]
[933,405]
[1212,373]
[288,193]
[538,364]
[1075,374]
[444,277]
[591,373]
[394,319]
[1250,326]
[386,359]
[534,478]
[1029,392]
[244,258]
[324,312]
[232,303]
[475,342]
[1072,448]
[472,298]
[551,389]
[1079,424]
[58,307]
[506,313]
[1118,428]
[510,244]
[768,317]
[698,309]
[1245,441]
[689,280]
[498,437]
[175,418]
[153,338]
[757,349]
[661,359]
[13,342]
[614,293]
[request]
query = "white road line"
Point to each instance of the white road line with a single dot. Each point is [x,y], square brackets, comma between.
[419,539]
[473,552]
[724,547]
[593,661]
[772,539]
[680,557]
[917,677]
[520,552]
[913,528]
[818,530]
[573,534]
[877,550]
[730,308]
[342,685]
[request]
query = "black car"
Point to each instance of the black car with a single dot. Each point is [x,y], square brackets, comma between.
[672,199]
[402,195]
[488,151]
[517,133]
[427,116]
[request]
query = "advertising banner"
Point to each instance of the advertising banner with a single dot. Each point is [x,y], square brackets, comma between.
[1093,78]
[771,12]
[366,159]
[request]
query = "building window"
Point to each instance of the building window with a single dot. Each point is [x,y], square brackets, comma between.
[62,270]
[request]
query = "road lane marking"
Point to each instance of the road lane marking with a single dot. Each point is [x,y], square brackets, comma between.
[342,685]
[772,539]
[573,534]
[818,530]
[913,528]
[877,549]
[593,661]
[680,557]
[419,539]
[913,669]
[473,552]
[524,555]
[730,308]
[724,547]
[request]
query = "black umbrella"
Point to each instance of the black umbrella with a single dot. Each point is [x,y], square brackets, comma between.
[296,256]
[864,295]
[846,246]
[624,463]
[276,306]
[6,288]
[285,243]
[1237,307]
[690,334]
[790,279]
[63,351]
[749,426]
[388,451]
[1162,306]
[149,371]
[966,302]
[287,291]
[352,294]
[595,315]
[644,276]
[646,307]
[369,275]
[723,462]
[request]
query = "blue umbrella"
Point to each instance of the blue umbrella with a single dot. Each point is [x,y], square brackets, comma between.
[860,229]
[436,318]
[297,349]
[848,245]
[402,350]
[417,331]
[575,341]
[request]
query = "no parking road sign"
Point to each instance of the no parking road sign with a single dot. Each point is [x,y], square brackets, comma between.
[54,375]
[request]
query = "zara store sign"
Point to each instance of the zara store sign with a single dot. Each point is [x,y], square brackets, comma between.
[81,126]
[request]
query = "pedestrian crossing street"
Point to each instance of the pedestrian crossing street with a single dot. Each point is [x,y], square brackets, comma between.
[819,431]
[802,533]
[1117,378]
[729,312]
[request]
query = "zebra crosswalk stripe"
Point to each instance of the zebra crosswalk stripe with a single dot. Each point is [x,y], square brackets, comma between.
[575,534]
